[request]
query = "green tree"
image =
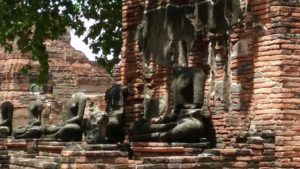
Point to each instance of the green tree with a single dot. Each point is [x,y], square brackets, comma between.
[105,34]
[29,23]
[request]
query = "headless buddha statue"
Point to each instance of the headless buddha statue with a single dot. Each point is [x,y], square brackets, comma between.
[108,127]
[71,127]
[115,98]
[185,123]
[6,111]
[33,130]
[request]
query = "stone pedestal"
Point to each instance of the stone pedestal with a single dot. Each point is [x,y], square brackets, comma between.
[96,156]
[18,145]
[152,149]
[210,158]
[52,147]
[250,155]
[4,156]
[257,152]
[43,154]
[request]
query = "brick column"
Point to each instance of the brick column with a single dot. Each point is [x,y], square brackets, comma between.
[131,64]
[277,78]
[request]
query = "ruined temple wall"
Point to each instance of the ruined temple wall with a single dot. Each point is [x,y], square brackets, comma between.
[150,80]
[69,72]
[252,84]
[153,80]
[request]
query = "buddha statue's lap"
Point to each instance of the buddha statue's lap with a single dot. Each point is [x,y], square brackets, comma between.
[186,128]
[67,132]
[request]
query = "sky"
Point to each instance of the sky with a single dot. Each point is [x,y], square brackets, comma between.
[78,44]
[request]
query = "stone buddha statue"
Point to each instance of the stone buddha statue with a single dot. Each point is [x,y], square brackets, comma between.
[115,98]
[33,130]
[71,127]
[185,123]
[96,127]
[108,126]
[6,111]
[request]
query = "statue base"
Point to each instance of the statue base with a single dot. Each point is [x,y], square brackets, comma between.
[254,153]
[53,154]
[4,155]
[152,149]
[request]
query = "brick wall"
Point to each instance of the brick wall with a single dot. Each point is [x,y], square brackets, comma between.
[276,87]
[252,85]
[131,63]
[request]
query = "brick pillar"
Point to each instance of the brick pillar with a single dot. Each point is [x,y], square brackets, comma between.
[131,64]
[277,78]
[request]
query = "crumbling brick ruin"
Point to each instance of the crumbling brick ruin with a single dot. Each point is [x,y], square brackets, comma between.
[252,85]
[249,52]
[69,72]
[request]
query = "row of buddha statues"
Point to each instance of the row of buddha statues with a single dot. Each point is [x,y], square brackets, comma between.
[184,123]
[100,127]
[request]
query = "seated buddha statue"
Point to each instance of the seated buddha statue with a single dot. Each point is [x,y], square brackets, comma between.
[185,123]
[71,127]
[6,112]
[33,130]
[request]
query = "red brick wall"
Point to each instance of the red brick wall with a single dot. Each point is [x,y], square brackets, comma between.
[276,88]
[131,64]
[254,91]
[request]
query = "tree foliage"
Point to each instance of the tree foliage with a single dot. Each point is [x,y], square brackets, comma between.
[105,35]
[29,23]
